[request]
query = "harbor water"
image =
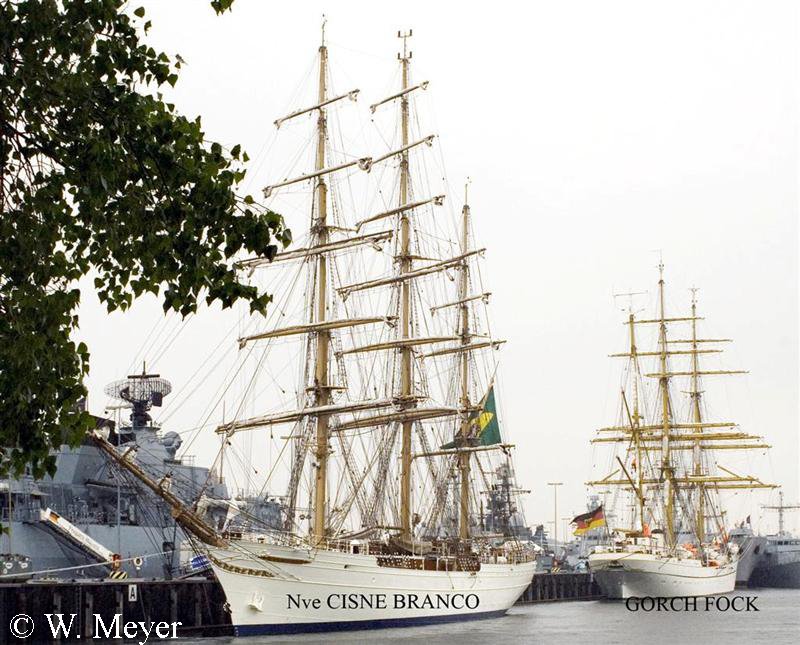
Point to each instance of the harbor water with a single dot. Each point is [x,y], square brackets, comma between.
[777,622]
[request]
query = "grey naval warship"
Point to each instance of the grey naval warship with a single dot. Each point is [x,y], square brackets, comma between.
[90,512]
[768,560]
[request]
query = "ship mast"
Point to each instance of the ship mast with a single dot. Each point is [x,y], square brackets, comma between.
[667,472]
[781,508]
[404,407]
[321,386]
[672,437]
[635,419]
[697,453]
[464,332]
[406,384]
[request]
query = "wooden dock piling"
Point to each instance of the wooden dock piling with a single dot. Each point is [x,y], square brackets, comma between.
[567,585]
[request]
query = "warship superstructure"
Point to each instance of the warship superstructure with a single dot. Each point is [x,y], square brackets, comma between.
[500,515]
[769,560]
[67,525]
[676,544]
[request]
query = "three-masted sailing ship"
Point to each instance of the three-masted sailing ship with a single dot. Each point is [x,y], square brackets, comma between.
[676,543]
[394,429]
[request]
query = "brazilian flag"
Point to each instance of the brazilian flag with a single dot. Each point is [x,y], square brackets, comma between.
[488,428]
[485,427]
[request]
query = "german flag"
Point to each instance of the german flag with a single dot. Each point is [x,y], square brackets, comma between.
[588,521]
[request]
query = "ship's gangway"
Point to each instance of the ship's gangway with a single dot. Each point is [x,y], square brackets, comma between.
[67,531]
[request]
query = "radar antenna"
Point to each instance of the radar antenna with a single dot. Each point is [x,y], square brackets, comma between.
[143,391]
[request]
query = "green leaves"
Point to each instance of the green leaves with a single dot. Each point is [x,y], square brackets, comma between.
[100,175]
[221,6]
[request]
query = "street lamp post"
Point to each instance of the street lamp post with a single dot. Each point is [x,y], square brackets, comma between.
[555,486]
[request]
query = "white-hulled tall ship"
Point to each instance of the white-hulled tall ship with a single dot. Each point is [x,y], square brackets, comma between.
[676,544]
[394,425]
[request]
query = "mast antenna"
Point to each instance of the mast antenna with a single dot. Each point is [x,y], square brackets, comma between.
[324,22]
[629,295]
[781,508]
[660,263]
[407,54]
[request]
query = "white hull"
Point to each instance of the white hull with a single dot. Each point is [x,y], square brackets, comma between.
[641,575]
[331,590]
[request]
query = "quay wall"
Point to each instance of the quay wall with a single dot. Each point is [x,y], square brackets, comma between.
[197,603]
[567,585]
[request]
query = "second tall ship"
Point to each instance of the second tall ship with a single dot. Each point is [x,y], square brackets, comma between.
[675,543]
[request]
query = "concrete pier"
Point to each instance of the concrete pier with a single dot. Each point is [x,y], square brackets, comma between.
[567,585]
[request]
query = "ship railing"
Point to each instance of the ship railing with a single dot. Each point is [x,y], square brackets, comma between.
[186,460]
[263,536]
[364,545]
[252,494]
[21,513]
[31,513]
[629,548]
[368,547]
[506,558]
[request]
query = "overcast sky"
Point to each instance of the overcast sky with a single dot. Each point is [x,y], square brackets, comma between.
[596,134]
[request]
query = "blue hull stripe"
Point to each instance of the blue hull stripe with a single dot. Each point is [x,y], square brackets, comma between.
[347,625]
